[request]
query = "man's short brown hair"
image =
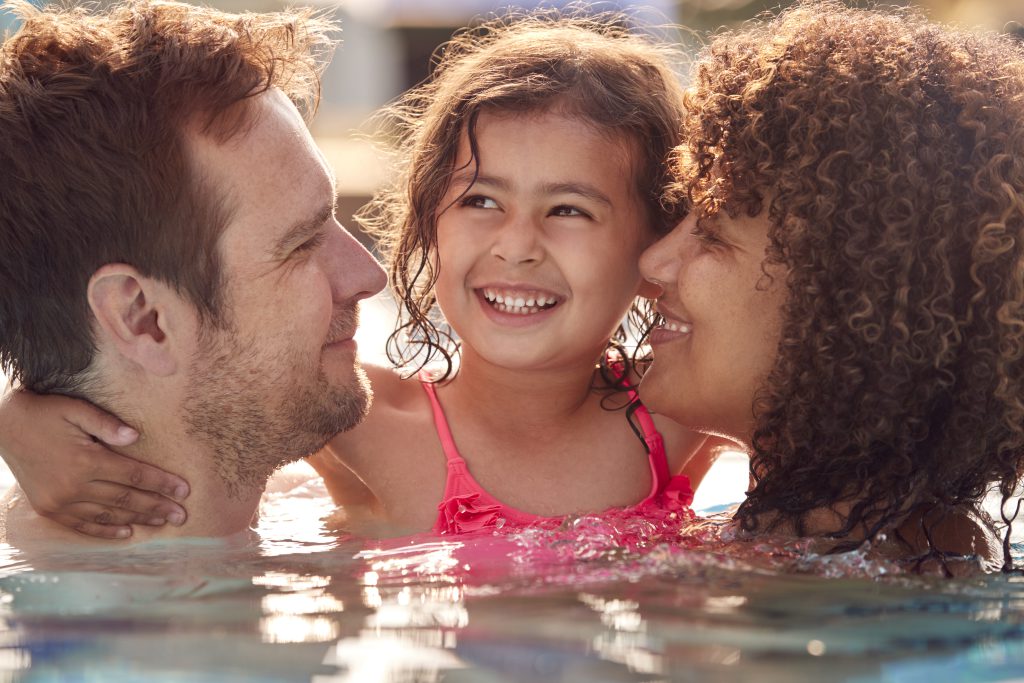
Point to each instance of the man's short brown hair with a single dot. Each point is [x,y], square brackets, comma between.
[94,112]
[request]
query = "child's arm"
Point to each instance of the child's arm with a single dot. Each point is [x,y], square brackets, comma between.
[55,446]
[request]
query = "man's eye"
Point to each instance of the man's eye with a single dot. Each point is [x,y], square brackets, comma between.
[477,201]
[312,243]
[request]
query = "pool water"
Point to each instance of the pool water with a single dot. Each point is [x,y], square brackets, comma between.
[598,599]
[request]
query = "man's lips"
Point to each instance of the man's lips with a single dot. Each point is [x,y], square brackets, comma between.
[343,327]
[340,340]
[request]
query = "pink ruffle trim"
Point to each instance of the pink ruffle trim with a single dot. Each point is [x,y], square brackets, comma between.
[464,514]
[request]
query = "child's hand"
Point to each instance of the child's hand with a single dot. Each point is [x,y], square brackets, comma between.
[55,446]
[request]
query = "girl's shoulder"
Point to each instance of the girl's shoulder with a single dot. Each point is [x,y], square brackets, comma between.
[395,452]
[399,414]
[392,392]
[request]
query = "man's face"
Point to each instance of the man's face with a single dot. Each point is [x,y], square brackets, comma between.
[279,377]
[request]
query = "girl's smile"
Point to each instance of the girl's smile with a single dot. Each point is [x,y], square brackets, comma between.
[517,306]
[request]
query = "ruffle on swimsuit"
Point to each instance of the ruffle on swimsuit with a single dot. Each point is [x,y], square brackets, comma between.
[468,507]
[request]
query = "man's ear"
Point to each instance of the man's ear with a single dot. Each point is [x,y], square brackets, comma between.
[132,312]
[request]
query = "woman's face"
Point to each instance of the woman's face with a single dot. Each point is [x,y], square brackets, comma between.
[722,320]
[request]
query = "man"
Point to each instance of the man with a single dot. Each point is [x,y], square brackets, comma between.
[168,246]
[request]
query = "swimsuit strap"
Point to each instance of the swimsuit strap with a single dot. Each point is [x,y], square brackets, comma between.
[653,440]
[444,433]
[642,415]
[647,426]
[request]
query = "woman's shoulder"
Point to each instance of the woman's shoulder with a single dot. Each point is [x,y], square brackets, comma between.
[956,532]
[956,539]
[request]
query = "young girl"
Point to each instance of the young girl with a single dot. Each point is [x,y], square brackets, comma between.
[533,164]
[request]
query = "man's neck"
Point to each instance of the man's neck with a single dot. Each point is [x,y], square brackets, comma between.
[214,506]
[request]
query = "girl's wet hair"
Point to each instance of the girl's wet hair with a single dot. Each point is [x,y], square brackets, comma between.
[888,154]
[613,77]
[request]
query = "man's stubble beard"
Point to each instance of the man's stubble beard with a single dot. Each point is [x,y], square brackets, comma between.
[255,421]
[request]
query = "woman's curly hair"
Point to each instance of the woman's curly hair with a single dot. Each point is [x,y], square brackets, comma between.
[888,152]
[597,67]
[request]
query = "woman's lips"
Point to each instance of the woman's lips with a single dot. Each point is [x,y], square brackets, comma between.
[669,329]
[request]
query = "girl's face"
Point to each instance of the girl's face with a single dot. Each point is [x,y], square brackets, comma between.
[722,311]
[538,253]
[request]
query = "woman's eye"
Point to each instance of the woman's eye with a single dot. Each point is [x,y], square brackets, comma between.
[706,239]
[564,210]
[479,202]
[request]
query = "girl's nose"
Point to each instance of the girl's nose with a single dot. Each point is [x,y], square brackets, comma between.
[517,241]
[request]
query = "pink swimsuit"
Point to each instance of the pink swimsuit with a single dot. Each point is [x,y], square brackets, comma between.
[467,506]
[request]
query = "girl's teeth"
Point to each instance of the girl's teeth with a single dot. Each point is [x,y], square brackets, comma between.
[510,303]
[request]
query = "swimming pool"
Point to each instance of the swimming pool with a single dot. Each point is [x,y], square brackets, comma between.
[597,600]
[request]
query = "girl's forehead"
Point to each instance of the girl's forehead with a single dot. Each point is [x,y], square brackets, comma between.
[613,145]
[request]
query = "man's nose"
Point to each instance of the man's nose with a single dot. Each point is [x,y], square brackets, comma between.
[354,272]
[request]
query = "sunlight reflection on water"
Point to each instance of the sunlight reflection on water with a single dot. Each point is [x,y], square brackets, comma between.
[590,600]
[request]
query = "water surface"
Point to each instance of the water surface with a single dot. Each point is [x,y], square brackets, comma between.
[599,599]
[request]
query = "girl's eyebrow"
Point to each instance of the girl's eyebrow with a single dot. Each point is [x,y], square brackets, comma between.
[581,189]
[467,179]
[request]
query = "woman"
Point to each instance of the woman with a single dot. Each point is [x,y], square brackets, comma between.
[846,296]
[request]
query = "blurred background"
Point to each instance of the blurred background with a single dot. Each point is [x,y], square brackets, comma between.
[387,45]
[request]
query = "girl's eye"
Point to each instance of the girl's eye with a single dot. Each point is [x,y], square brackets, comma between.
[479,202]
[564,210]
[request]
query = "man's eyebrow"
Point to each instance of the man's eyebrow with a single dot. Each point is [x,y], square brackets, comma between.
[303,230]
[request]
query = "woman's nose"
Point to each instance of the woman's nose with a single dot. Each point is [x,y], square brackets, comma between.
[659,264]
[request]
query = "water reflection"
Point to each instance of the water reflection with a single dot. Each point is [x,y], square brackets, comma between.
[606,599]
